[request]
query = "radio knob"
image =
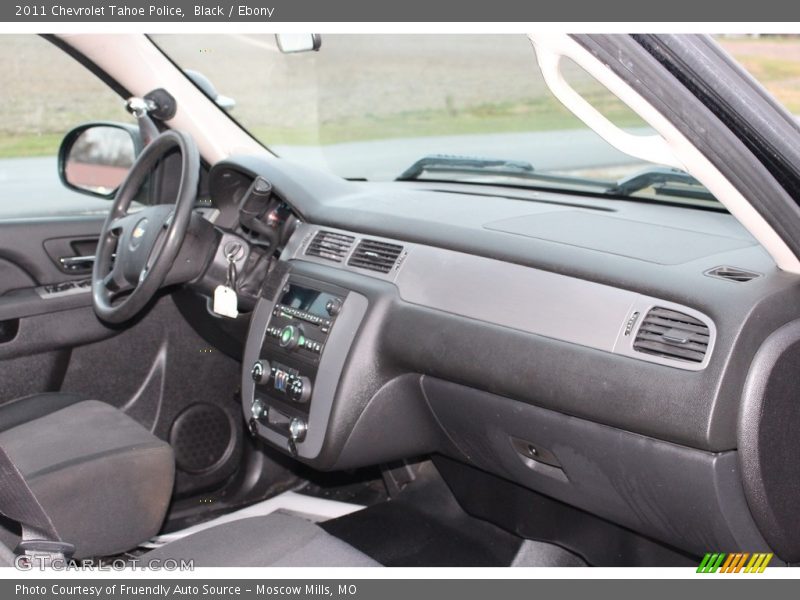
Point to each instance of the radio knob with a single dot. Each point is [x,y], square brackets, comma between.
[290,337]
[297,429]
[333,307]
[259,410]
[260,372]
[300,390]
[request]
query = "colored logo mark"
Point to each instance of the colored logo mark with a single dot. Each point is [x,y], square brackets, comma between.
[737,562]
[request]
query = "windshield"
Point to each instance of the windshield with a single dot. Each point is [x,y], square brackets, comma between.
[471,108]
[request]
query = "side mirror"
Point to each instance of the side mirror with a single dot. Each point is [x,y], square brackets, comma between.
[95,158]
[204,83]
[289,43]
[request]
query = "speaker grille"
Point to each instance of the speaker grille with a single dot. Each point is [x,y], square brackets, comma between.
[201,437]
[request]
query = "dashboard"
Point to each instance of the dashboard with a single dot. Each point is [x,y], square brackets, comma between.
[601,352]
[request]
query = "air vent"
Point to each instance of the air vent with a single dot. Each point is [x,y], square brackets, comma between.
[330,245]
[375,255]
[672,334]
[732,274]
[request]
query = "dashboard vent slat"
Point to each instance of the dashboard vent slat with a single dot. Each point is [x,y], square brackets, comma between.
[672,334]
[330,245]
[375,255]
[732,274]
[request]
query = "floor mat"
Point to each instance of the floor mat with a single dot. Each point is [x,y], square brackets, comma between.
[314,509]
[543,554]
[425,527]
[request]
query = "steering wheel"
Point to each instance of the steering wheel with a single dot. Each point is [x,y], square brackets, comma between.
[137,249]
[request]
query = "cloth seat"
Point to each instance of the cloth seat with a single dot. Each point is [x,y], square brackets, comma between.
[278,539]
[87,475]
[21,410]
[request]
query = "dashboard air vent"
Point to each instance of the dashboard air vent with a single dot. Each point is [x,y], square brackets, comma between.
[732,274]
[375,255]
[331,245]
[672,334]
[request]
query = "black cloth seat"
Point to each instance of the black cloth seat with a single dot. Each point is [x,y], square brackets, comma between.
[62,442]
[21,410]
[86,475]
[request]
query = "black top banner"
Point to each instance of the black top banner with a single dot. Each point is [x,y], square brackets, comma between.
[440,11]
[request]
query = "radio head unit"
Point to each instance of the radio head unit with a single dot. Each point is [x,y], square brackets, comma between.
[291,349]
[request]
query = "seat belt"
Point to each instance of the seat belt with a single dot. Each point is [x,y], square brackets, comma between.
[40,540]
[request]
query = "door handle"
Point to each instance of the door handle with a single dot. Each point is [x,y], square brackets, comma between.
[76,263]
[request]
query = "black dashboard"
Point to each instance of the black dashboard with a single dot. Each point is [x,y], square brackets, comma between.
[598,351]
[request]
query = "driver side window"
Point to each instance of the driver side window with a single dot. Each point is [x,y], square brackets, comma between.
[46,93]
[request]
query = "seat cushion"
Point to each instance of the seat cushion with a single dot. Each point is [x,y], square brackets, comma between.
[276,540]
[21,410]
[102,479]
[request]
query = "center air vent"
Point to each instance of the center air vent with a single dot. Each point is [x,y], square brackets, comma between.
[375,256]
[672,334]
[331,245]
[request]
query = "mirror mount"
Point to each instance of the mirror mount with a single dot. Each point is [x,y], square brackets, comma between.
[141,109]
[159,105]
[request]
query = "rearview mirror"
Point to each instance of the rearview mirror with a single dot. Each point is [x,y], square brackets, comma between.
[289,43]
[95,158]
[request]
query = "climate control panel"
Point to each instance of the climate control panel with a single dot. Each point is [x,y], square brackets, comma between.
[290,352]
[283,380]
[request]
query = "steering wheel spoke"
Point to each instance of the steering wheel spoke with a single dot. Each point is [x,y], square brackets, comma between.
[120,224]
[115,284]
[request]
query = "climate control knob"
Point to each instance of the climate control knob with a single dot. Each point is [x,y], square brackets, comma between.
[297,429]
[300,390]
[259,410]
[260,372]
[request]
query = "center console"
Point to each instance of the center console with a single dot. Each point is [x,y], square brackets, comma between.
[300,334]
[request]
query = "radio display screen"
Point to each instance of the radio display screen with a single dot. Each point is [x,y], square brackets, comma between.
[310,301]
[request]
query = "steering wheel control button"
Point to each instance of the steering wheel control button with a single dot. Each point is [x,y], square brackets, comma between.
[297,429]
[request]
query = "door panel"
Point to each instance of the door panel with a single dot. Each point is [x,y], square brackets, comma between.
[26,375]
[25,244]
[156,369]
[37,333]
[13,277]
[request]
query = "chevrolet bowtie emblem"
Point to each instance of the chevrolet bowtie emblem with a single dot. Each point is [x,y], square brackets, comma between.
[139,230]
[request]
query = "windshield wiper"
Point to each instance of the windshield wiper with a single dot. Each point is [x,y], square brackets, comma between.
[665,181]
[469,165]
[450,163]
[659,179]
